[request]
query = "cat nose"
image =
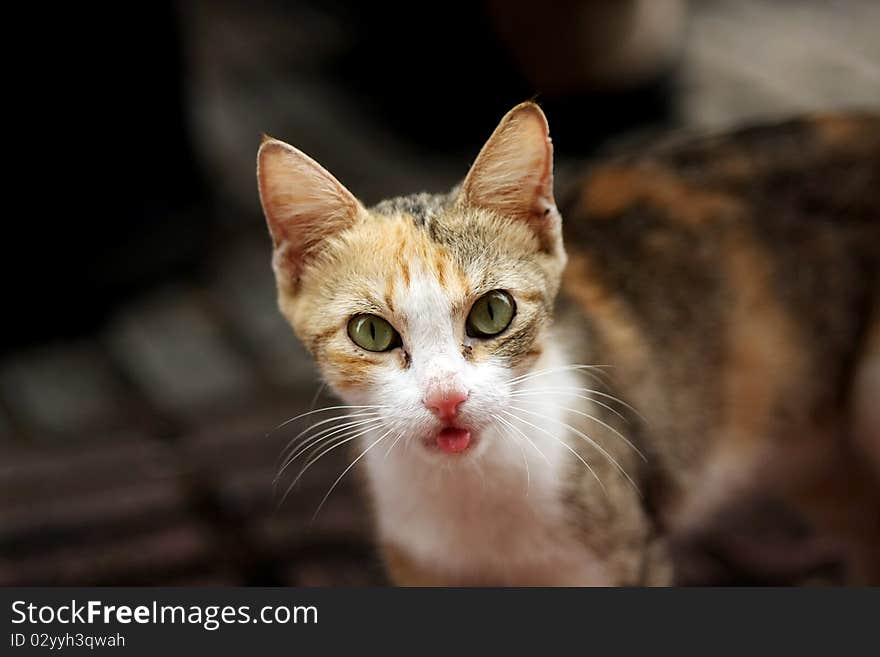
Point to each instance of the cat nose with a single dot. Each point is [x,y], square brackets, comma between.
[444,404]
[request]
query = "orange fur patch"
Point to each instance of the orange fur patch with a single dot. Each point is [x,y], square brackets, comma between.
[615,326]
[763,347]
[612,190]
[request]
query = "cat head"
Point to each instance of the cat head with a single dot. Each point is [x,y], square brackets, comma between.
[423,307]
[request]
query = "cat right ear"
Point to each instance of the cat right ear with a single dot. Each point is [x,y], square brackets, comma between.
[513,174]
[303,204]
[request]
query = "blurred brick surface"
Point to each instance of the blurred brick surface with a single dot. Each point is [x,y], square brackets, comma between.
[245,293]
[51,487]
[141,558]
[176,353]
[199,508]
[60,388]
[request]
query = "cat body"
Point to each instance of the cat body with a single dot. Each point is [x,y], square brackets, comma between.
[734,284]
[707,342]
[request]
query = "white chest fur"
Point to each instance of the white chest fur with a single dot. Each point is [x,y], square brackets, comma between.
[494,517]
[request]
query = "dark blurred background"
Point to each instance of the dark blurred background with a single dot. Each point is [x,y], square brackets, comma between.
[143,361]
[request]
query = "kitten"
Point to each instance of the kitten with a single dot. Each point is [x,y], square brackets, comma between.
[726,288]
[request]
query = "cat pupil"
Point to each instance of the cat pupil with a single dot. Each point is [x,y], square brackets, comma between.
[373,330]
[491,311]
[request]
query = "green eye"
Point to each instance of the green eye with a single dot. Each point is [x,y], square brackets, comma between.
[372,333]
[491,314]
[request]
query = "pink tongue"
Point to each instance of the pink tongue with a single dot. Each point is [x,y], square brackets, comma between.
[453,441]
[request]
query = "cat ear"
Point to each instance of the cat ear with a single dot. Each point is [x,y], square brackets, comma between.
[513,174]
[303,204]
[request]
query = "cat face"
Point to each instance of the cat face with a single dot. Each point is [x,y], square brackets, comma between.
[422,307]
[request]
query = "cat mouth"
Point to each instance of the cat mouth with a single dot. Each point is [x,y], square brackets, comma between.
[453,440]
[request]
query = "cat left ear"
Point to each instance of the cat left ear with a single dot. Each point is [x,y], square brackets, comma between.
[513,174]
[303,203]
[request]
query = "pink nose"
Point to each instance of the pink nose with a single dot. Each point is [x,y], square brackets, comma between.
[445,404]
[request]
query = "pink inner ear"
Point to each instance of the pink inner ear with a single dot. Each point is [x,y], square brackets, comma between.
[513,174]
[303,204]
[543,193]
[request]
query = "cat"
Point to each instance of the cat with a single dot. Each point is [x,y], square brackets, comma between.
[704,345]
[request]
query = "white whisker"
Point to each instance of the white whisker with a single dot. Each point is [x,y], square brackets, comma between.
[565,445]
[561,368]
[532,393]
[585,437]
[322,410]
[350,466]
[592,391]
[521,450]
[396,440]
[311,441]
[317,394]
[292,441]
[315,459]
[598,421]
[520,432]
